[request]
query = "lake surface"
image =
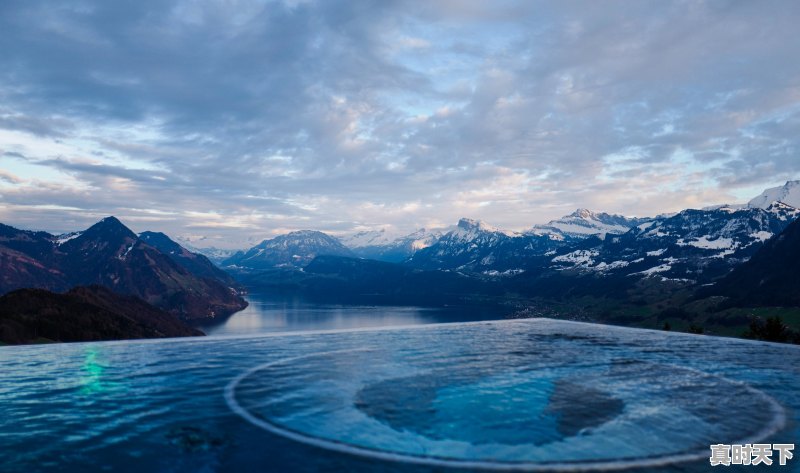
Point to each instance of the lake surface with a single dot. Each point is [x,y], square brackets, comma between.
[530,395]
[272,313]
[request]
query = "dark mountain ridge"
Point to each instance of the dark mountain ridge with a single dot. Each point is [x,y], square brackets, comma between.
[770,278]
[110,254]
[196,263]
[354,280]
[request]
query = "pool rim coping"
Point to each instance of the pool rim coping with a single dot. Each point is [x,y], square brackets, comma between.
[391,328]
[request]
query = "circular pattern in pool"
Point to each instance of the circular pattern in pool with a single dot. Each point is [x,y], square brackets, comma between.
[523,411]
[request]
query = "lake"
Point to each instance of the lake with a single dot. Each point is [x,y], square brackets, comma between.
[273,313]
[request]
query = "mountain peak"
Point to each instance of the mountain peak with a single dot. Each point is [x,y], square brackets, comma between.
[471,224]
[307,233]
[788,194]
[109,226]
[108,222]
[582,213]
[467,223]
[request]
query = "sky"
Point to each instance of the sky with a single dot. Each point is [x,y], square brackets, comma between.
[225,122]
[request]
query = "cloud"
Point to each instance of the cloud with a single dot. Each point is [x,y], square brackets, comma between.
[241,118]
[9,177]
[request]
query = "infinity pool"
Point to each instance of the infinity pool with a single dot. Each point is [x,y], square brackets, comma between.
[528,395]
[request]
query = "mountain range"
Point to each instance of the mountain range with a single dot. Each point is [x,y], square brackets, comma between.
[584,223]
[692,245]
[669,269]
[742,255]
[379,246]
[109,254]
[485,247]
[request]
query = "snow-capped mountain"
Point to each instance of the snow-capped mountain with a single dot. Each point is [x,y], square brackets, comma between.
[379,246]
[693,245]
[422,238]
[584,223]
[295,249]
[471,230]
[477,247]
[215,255]
[367,238]
[788,194]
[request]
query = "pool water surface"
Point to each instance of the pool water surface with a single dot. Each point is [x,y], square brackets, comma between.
[524,395]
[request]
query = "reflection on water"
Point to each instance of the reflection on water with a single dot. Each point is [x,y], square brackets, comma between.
[92,372]
[269,313]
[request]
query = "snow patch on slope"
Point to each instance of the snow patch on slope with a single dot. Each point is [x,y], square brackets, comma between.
[649,272]
[705,243]
[761,235]
[61,239]
[578,258]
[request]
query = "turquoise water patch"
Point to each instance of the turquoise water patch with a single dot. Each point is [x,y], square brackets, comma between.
[510,409]
[448,407]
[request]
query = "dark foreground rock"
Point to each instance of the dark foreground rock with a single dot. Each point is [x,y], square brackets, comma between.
[83,314]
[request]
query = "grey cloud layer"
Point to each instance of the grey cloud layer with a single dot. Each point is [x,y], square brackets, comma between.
[245,117]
